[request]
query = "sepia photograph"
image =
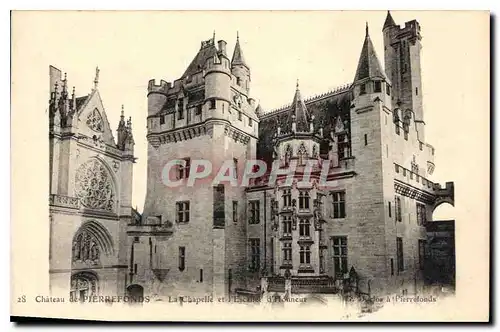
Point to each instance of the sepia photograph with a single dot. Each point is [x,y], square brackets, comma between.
[250,165]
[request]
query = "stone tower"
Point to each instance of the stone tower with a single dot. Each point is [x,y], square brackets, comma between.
[192,232]
[402,48]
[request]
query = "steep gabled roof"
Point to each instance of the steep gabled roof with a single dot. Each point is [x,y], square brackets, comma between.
[368,64]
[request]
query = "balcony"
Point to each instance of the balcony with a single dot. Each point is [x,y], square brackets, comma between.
[152,226]
[64,201]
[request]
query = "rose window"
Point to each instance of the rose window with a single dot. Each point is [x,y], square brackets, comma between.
[94,187]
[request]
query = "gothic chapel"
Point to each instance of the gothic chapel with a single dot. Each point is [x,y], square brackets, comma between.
[90,193]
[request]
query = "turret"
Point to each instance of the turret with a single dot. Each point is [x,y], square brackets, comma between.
[239,67]
[157,96]
[402,64]
[217,83]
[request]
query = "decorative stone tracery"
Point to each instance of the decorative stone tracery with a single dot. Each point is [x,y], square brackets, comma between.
[83,285]
[94,187]
[85,249]
[94,121]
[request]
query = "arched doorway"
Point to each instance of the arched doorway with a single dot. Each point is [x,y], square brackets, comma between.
[83,286]
[91,246]
[135,293]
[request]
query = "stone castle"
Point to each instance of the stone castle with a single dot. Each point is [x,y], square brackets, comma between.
[368,225]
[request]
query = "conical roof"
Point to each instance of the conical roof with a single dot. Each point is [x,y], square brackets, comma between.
[368,64]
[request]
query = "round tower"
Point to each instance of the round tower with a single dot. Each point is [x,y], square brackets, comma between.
[217,86]
[157,96]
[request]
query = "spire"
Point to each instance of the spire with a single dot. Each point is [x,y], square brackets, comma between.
[298,114]
[96,79]
[213,37]
[389,21]
[368,64]
[238,58]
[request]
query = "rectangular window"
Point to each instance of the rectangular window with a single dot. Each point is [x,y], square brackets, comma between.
[254,254]
[198,110]
[305,254]
[287,253]
[416,91]
[182,211]
[287,225]
[304,200]
[340,254]
[235,164]
[399,253]
[421,253]
[240,117]
[362,89]
[182,258]
[250,122]
[219,206]
[135,268]
[392,266]
[304,228]
[287,198]
[183,171]
[162,119]
[397,207]
[180,110]
[378,87]
[338,204]
[235,211]
[254,212]
[201,275]
[390,210]
[388,89]
[421,219]
[212,103]
[366,139]
[343,146]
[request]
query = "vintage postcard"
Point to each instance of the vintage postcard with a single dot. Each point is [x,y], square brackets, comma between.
[250,165]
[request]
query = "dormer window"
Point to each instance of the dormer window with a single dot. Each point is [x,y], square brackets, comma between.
[212,104]
[378,87]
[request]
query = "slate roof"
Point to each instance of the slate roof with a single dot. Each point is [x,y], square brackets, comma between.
[238,58]
[302,116]
[389,21]
[207,51]
[327,107]
[368,64]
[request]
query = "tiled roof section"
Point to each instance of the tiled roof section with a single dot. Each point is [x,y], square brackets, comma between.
[238,58]
[299,110]
[80,101]
[325,107]
[368,64]
[206,51]
[389,21]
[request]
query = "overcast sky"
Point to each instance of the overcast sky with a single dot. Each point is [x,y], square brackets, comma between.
[319,48]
